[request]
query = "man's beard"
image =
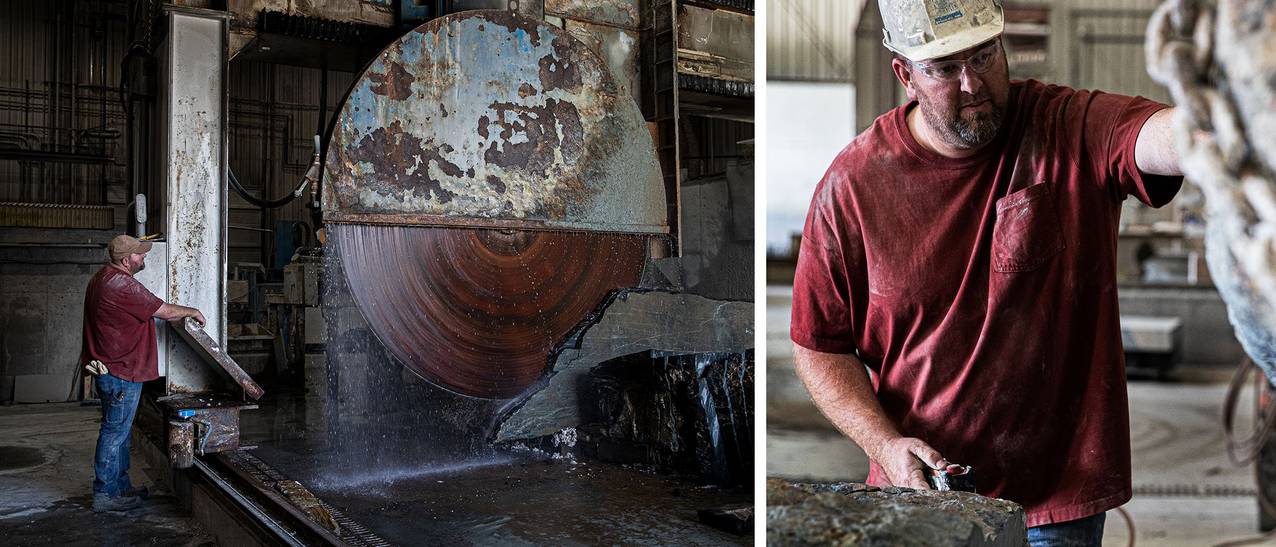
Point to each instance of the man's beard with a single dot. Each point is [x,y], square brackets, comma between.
[133,267]
[963,133]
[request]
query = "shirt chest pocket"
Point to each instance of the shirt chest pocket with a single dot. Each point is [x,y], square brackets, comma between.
[1027,232]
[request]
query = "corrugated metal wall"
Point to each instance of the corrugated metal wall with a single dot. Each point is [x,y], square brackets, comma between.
[811,40]
[59,94]
[1108,53]
[274,115]
[1094,44]
[59,78]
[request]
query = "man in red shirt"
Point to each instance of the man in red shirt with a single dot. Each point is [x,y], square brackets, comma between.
[119,334]
[963,250]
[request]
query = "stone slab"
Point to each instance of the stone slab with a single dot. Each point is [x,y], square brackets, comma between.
[850,513]
[631,322]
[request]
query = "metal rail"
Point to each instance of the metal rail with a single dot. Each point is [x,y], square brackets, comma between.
[279,532]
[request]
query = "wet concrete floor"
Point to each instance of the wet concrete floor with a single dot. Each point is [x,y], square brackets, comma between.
[491,498]
[46,495]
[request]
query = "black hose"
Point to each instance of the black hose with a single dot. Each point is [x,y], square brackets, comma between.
[264,204]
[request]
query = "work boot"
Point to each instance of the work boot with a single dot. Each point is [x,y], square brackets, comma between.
[105,502]
[136,492]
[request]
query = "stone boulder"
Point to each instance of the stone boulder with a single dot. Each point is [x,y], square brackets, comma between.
[850,513]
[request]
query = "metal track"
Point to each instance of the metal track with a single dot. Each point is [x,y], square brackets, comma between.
[352,533]
[259,514]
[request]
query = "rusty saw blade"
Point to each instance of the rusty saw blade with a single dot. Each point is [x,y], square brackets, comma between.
[478,311]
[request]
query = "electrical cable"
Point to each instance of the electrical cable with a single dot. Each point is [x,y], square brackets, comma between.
[311,177]
[264,204]
[1129,524]
[208,433]
[1246,451]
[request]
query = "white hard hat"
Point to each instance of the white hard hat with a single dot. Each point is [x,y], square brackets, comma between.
[926,29]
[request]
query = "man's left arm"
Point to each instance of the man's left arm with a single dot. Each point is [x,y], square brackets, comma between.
[1154,151]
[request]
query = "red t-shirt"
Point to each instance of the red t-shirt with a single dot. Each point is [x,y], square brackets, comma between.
[118,330]
[982,292]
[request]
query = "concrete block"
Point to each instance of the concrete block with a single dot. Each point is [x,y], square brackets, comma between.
[316,367]
[74,278]
[310,283]
[1207,337]
[316,330]
[856,514]
[237,291]
[23,332]
[41,388]
[1150,334]
[294,284]
[717,261]
[6,389]
[65,324]
[24,278]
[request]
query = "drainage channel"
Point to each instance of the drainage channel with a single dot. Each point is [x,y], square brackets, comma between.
[250,485]
[261,476]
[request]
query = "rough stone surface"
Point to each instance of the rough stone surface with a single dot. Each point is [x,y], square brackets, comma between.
[630,323]
[689,414]
[1217,60]
[850,513]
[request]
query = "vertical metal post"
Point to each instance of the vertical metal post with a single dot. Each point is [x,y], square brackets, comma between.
[193,99]
[665,109]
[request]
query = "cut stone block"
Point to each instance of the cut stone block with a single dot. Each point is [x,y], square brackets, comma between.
[630,322]
[848,513]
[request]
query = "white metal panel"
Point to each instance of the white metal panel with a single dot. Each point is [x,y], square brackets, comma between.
[155,278]
[194,100]
[813,40]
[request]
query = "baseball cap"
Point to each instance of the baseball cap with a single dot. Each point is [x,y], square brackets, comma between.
[123,245]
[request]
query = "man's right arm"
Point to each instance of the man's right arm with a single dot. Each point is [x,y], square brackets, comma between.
[169,312]
[840,387]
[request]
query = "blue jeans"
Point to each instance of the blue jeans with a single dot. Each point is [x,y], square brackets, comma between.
[1086,532]
[110,463]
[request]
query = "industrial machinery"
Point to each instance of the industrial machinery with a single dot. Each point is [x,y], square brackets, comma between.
[489,186]
[487,183]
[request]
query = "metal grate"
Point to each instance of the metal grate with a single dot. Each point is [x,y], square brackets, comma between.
[50,215]
[705,84]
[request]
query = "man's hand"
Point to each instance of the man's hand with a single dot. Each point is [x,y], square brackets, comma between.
[841,390]
[905,459]
[169,312]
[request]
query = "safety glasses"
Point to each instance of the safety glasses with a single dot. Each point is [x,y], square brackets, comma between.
[949,71]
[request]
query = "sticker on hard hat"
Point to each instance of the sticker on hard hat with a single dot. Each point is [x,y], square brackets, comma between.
[944,10]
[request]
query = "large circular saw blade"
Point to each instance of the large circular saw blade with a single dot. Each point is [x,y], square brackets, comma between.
[478,311]
[488,182]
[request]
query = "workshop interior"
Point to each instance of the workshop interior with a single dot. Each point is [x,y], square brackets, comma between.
[473,271]
[483,272]
[1193,278]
